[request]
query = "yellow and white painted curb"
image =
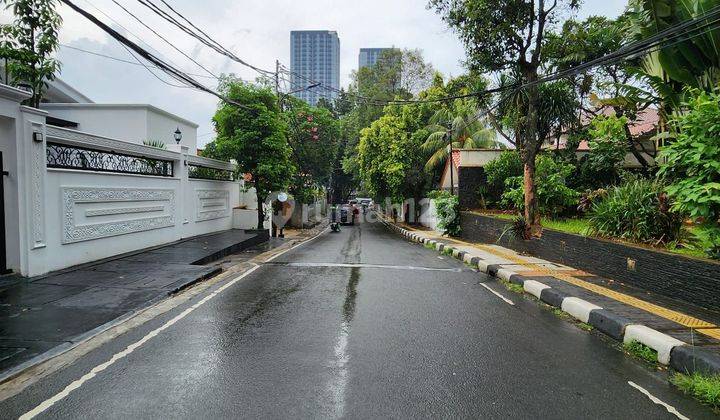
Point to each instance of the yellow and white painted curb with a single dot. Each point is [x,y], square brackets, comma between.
[505,264]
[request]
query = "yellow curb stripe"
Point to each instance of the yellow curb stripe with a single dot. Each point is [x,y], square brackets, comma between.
[704,327]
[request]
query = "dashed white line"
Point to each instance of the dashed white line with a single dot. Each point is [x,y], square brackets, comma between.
[657,401]
[508,301]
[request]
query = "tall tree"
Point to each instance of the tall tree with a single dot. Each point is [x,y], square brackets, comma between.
[313,136]
[254,135]
[32,40]
[509,35]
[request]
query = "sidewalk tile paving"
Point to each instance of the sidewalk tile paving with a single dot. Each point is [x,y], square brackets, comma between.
[38,314]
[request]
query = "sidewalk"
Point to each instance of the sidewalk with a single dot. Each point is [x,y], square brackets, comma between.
[686,337]
[43,316]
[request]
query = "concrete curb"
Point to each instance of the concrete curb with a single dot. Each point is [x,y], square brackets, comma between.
[677,354]
[654,339]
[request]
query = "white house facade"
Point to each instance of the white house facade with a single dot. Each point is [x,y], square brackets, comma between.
[76,195]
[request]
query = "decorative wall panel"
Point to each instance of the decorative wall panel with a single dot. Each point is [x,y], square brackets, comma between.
[212,204]
[76,201]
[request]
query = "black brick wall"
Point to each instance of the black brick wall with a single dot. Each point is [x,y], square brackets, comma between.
[469,179]
[674,276]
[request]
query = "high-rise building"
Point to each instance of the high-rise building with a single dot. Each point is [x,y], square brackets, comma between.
[315,57]
[369,56]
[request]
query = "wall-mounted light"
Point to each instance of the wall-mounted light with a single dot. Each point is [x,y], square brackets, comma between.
[178,135]
[38,136]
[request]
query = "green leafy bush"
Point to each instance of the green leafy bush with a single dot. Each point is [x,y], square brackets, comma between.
[637,210]
[607,145]
[691,165]
[553,194]
[447,207]
[507,165]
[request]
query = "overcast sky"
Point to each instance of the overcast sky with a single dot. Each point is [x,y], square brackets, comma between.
[257,31]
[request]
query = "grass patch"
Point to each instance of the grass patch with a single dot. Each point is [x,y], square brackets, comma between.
[587,327]
[429,245]
[705,389]
[447,251]
[641,351]
[576,226]
[515,288]
[559,313]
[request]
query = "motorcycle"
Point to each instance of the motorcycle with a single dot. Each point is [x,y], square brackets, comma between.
[334,224]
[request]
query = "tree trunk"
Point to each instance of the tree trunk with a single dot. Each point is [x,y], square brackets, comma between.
[531,145]
[532,215]
[260,210]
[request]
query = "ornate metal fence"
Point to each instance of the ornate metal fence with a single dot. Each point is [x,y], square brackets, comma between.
[74,157]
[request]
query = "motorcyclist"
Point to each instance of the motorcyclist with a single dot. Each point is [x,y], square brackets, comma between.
[334,224]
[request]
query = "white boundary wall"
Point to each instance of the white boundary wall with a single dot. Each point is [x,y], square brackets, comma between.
[56,218]
[428,214]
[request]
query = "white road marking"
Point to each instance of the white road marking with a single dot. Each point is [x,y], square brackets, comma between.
[134,346]
[508,301]
[297,246]
[657,401]
[360,265]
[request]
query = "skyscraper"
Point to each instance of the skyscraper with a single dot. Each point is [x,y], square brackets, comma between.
[369,56]
[315,57]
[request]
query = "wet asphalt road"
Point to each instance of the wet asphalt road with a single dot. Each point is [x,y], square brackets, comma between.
[328,330]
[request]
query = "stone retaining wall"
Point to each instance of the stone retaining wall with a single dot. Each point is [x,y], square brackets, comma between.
[671,275]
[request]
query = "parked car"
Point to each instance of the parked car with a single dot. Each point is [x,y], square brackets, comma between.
[348,213]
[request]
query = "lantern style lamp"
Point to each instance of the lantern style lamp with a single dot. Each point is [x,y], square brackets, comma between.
[178,135]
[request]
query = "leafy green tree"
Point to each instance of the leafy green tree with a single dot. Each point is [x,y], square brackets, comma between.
[693,61]
[313,136]
[691,164]
[254,135]
[32,39]
[385,158]
[509,35]
[396,75]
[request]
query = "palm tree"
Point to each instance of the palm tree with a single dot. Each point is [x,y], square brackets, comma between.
[465,128]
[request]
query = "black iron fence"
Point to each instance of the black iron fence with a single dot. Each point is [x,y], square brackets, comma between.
[80,158]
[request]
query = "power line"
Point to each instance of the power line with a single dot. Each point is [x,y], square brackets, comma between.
[164,39]
[168,69]
[122,60]
[201,36]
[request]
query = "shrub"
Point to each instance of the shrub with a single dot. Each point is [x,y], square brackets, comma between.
[159,144]
[608,145]
[507,165]
[637,210]
[447,208]
[553,194]
[691,165]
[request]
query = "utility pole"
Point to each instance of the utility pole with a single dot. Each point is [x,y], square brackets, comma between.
[452,180]
[277,84]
